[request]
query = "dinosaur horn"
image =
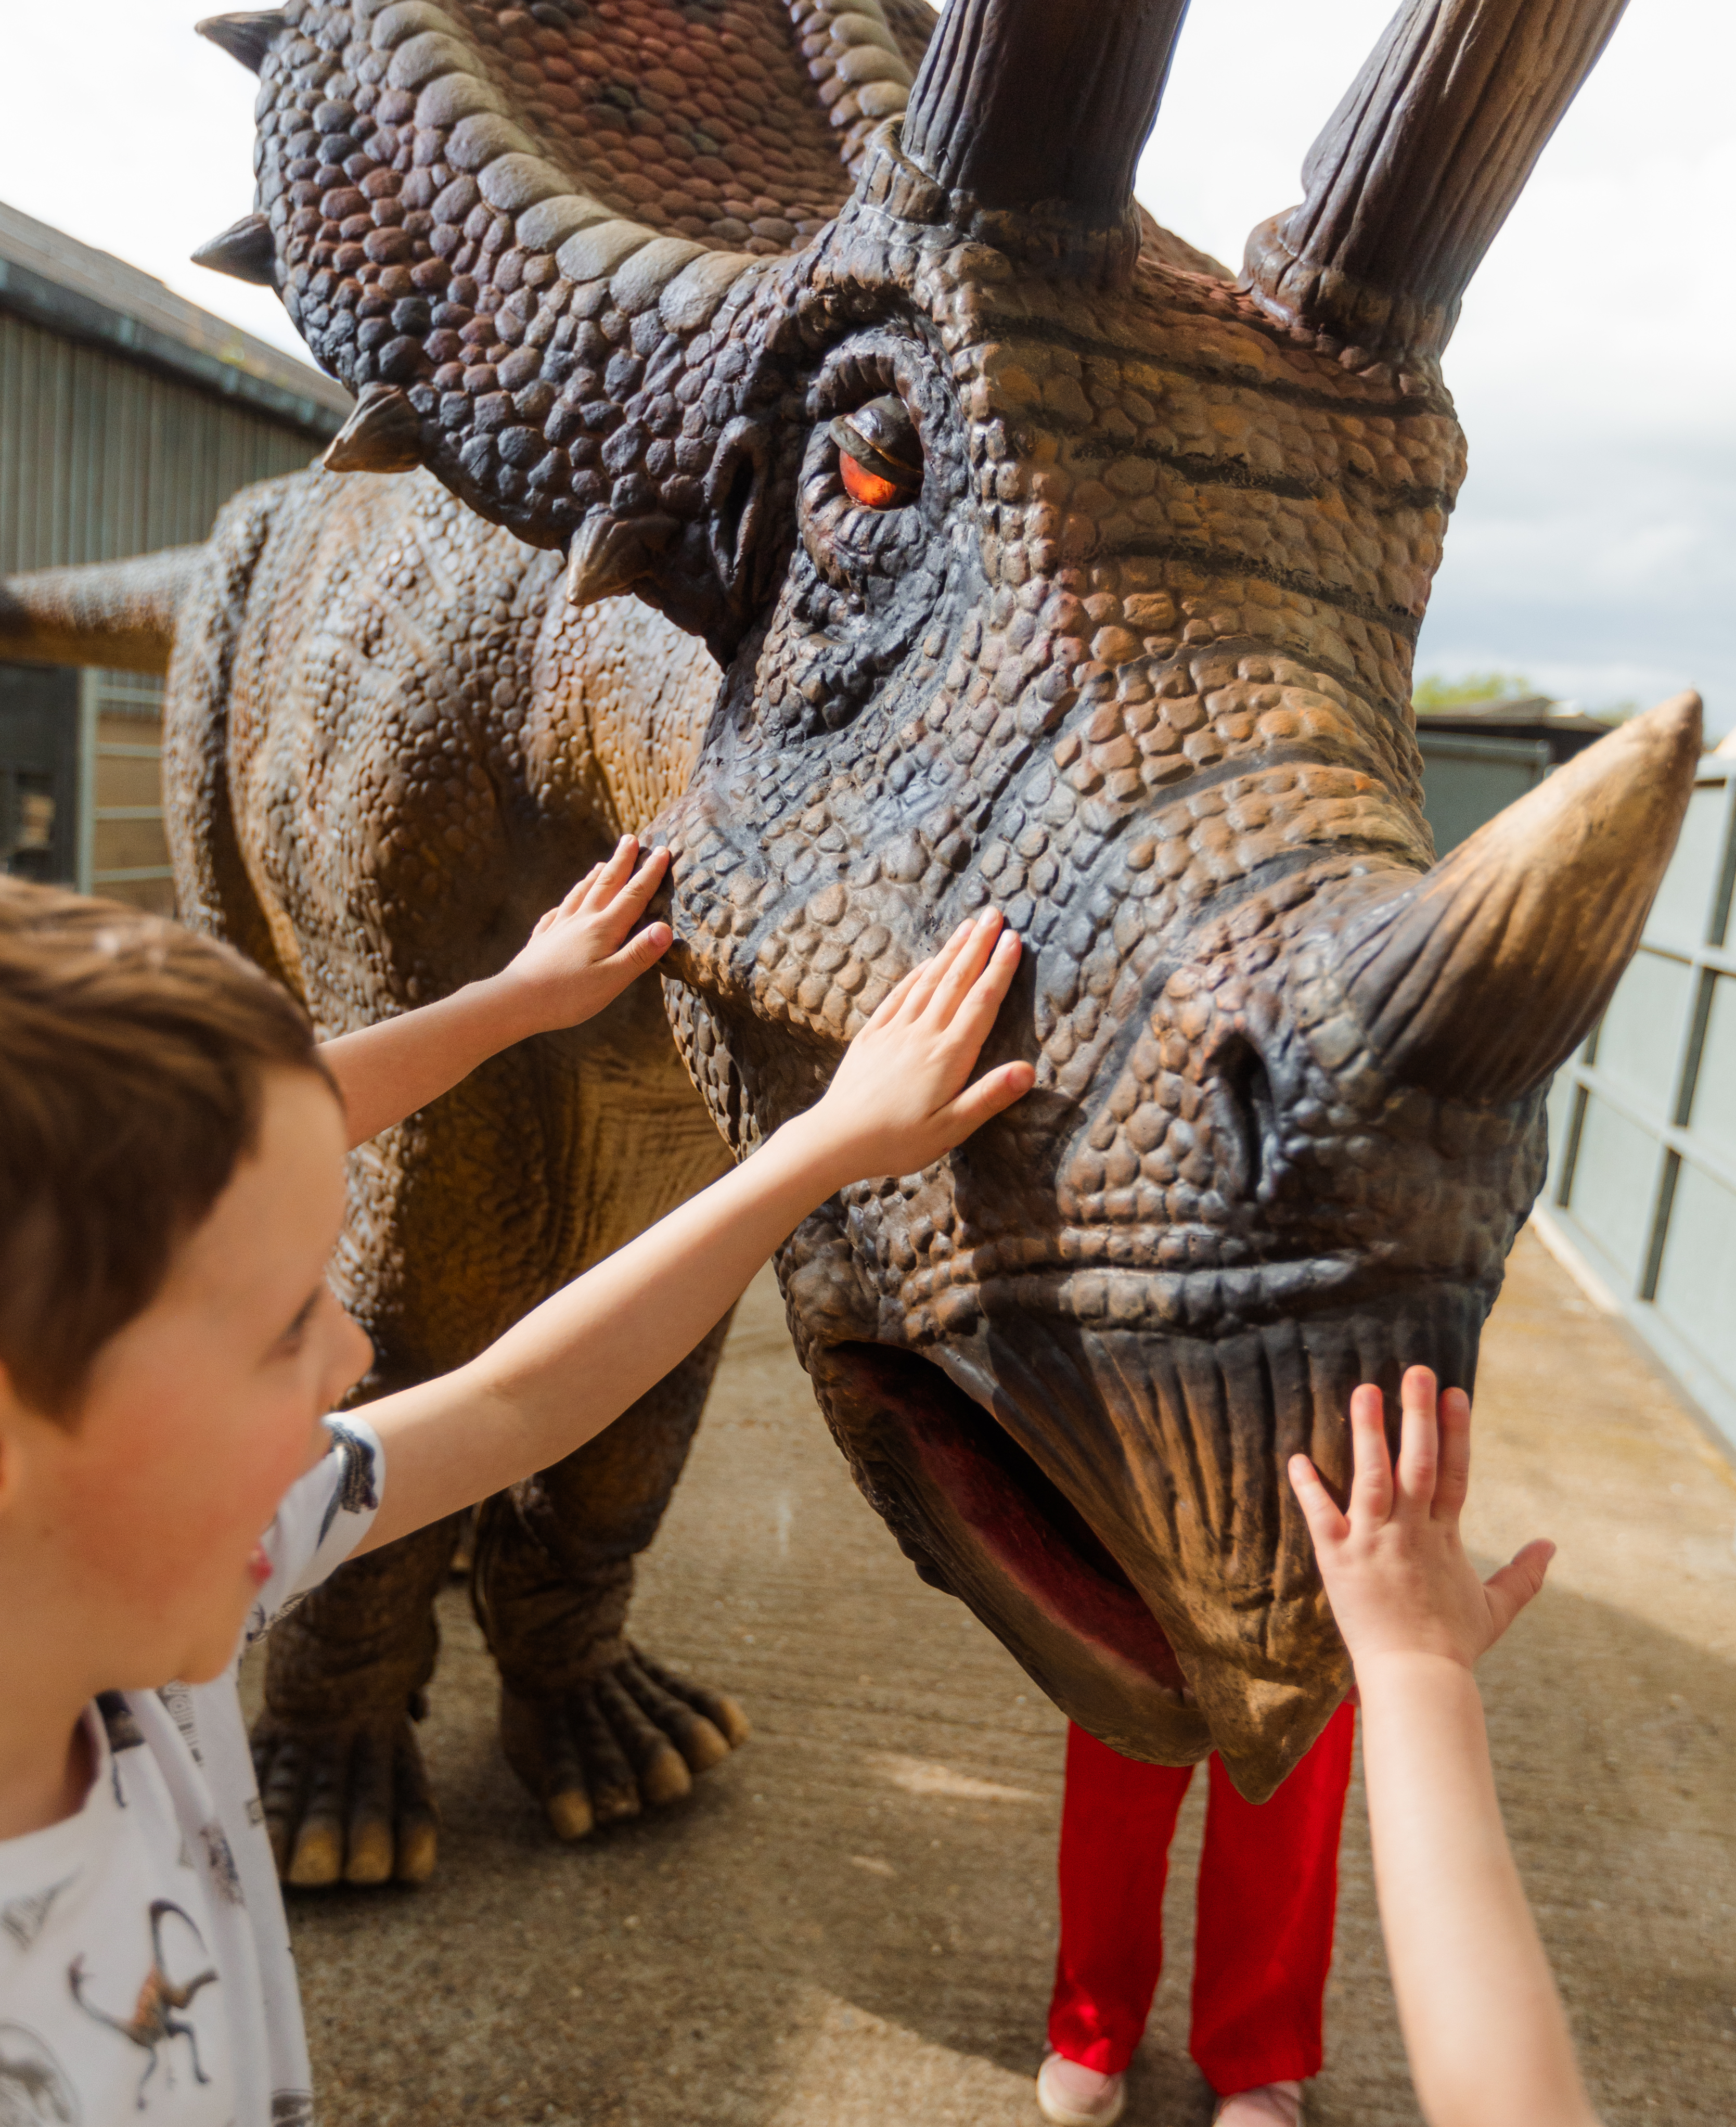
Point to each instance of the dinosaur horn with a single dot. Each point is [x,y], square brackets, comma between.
[246,251]
[1419,165]
[1020,101]
[244,37]
[1477,979]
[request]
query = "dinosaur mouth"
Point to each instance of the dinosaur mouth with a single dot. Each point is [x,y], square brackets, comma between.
[1113,1506]
[978,1517]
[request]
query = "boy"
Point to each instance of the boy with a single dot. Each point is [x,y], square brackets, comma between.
[171,1188]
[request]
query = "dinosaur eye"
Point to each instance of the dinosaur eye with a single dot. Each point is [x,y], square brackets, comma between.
[879,454]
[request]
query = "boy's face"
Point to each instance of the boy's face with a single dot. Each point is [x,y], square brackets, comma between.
[199,1415]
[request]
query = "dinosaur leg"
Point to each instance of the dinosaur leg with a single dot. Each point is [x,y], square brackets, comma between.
[594,1729]
[346,1796]
[174,2027]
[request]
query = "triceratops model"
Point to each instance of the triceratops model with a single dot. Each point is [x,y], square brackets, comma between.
[1045,565]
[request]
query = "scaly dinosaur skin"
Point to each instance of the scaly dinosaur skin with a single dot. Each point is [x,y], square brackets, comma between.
[418,749]
[389,749]
[1126,649]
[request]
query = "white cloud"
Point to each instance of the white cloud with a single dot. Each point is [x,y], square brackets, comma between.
[1592,367]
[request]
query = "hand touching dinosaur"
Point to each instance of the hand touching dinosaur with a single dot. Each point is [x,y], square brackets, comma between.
[581,955]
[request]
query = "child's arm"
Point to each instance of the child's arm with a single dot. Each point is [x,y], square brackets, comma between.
[1482,2023]
[580,958]
[899,1100]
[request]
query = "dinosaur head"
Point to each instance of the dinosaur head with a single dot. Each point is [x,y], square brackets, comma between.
[1047,565]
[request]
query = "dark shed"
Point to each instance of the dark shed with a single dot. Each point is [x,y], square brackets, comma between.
[128,417]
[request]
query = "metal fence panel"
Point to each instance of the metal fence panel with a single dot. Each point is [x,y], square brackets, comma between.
[1642,1195]
[1466,781]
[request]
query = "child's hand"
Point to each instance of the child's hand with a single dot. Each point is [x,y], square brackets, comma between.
[901,1097]
[1394,1569]
[583,954]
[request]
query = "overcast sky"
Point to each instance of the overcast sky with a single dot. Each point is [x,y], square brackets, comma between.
[1594,546]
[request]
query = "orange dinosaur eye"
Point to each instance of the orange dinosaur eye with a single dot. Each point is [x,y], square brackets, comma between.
[879,454]
[867,488]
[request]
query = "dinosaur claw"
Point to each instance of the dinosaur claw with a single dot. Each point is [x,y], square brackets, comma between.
[664,1778]
[347,1804]
[569,1814]
[371,1854]
[419,1848]
[318,1857]
[605,1750]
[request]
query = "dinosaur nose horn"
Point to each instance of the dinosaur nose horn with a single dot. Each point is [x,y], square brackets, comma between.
[1022,100]
[1477,979]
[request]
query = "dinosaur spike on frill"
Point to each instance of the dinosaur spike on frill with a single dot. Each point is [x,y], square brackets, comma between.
[247,250]
[246,37]
[382,434]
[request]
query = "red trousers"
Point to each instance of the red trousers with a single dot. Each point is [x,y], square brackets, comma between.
[1263,1941]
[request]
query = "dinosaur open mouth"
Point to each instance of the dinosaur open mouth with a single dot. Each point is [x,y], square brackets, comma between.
[978,1517]
[1112,1505]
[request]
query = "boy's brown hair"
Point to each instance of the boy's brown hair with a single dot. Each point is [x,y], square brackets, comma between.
[131,1059]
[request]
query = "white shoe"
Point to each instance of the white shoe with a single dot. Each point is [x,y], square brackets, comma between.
[1272,2104]
[1070,2096]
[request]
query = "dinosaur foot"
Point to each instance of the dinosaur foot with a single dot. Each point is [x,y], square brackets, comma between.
[345,1803]
[631,1739]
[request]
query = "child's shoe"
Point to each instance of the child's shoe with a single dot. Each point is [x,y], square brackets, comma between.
[1272,2104]
[1072,2096]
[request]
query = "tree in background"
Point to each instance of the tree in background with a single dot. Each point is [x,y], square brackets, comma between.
[1435,692]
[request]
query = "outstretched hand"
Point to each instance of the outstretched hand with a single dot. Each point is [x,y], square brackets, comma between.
[583,954]
[1396,1572]
[903,1094]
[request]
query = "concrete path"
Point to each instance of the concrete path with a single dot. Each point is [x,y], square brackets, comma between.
[851,1924]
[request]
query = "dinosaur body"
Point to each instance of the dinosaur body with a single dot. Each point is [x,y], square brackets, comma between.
[1041,563]
[390,748]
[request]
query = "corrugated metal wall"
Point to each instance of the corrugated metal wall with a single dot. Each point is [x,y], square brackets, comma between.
[101,458]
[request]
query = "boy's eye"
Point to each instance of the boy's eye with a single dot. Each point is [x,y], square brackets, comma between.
[879,454]
[292,1339]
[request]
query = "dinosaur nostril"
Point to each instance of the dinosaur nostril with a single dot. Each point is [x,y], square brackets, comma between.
[1246,1112]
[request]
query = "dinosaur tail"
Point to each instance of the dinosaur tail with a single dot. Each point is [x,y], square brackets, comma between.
[119,613]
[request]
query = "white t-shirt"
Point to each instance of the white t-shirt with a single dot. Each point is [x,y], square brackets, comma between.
[145,1973]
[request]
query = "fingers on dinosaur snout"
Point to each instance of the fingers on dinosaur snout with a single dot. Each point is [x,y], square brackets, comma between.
[1327,1525]
[1371,1486]
[1453,1478]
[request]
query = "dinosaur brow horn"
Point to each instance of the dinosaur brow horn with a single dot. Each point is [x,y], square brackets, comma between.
[1022,101]
[1420,164]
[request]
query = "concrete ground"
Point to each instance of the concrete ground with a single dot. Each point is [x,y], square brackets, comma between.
[851,1922]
